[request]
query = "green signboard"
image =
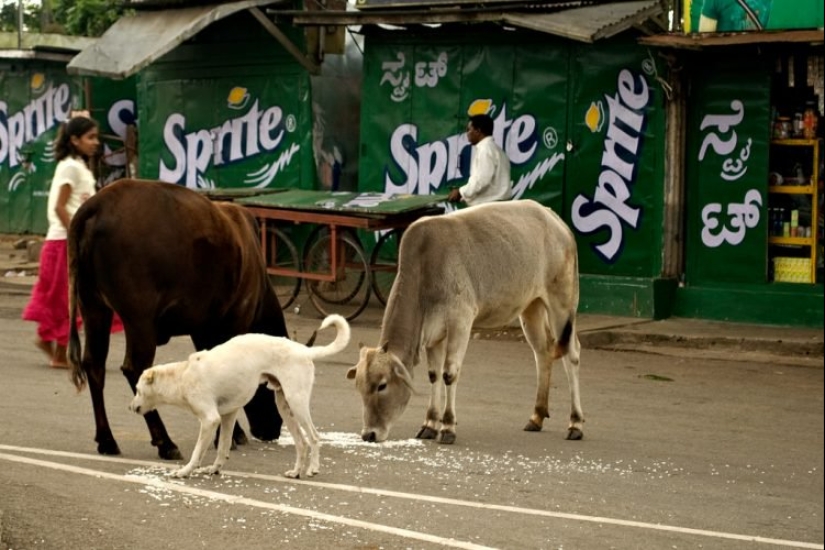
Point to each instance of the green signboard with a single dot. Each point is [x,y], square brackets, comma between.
[416,100]
[727,171]
[615,170]
[230,132]
[34,99]
[583,127]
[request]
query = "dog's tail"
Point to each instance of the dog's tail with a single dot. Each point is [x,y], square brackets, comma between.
[337,345]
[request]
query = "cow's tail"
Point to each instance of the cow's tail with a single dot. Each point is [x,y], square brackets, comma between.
[337,345]
[563,342]
[78,375]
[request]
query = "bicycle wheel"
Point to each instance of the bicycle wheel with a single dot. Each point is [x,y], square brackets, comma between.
[384,264]
[349,293]
[281,252]
[326,291]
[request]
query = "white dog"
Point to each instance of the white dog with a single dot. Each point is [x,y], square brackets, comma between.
[216,383]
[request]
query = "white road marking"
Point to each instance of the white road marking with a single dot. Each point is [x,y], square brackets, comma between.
[232,499]
[394,494]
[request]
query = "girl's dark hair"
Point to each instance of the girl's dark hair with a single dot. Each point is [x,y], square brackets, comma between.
[483,123]
[74,127]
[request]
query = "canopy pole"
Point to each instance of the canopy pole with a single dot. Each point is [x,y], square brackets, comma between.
[272,29]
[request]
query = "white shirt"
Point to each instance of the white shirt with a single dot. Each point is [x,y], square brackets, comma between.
[74,172]
[489,174]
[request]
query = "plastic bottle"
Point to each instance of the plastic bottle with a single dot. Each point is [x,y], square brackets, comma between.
[809,122]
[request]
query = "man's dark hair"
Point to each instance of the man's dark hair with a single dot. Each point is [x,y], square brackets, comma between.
[482,123]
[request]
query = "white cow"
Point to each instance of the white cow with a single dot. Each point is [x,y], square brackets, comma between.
[482,266]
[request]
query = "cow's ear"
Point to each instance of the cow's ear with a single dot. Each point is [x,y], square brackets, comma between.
[149,376]
[351,373]
[385,346]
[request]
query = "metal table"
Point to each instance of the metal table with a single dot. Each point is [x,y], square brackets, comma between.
[334,264]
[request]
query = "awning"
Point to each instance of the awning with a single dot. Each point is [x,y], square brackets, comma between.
[135,41]
[703,40]
[585,24]
[591,23]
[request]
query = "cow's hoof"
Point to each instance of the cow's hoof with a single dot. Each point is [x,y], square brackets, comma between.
[574,434]
[446,438]
[169,451]
[426,433]
[532,427]
[108,448]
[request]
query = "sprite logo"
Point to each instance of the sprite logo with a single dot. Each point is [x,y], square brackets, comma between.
[35,118]
[426,167]
[260,130]
[610,208]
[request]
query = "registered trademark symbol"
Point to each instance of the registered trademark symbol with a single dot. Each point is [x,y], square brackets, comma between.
[551,138]
[648,66]
[291,124]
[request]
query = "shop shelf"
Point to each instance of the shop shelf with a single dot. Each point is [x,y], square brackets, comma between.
[792,189]
[795,142]
[801,241]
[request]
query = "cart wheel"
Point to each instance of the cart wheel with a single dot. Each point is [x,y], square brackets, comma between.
[384,264]
[321,229]
[349,294]
[286,256]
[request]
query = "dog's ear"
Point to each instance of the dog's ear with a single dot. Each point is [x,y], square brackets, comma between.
[149,376]
[351,373]
[361,345]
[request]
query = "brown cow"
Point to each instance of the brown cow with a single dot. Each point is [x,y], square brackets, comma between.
[170,262]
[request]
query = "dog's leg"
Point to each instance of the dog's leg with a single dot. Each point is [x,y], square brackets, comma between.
[300,414]
[295,432]
[208,426]
[224,444]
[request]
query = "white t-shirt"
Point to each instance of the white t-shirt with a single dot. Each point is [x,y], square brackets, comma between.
[74,172]
[489,174]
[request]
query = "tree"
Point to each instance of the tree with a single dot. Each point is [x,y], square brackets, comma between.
[73,17]
[87,17]
[8,16]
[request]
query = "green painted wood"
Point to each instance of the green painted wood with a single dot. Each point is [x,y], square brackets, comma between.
[770,304]
[344,201]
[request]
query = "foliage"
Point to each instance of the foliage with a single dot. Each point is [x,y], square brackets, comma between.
[73,17]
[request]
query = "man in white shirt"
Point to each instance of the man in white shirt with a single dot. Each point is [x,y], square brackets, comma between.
[489,166]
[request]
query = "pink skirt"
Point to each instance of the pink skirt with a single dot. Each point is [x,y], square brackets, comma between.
[49,303]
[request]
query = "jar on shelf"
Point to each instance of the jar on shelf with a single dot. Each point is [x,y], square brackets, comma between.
[798,125]
[782,128]
[809,121]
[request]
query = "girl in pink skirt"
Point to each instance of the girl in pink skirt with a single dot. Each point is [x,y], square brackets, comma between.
[73,182]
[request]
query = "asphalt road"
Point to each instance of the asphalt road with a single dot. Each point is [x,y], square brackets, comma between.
[678,452]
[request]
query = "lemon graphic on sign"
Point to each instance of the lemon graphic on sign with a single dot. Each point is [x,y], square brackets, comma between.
[38,82]
[594,117]
[481,107]
[238,98]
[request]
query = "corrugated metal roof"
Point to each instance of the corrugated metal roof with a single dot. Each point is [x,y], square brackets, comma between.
[586,24]
[135,41]
[590,23]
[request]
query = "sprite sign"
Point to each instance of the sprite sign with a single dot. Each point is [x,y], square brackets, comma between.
[218,133]
[583,128]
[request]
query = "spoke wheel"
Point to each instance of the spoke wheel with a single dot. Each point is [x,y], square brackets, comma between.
[384,264]
[281,252]
[349,293]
